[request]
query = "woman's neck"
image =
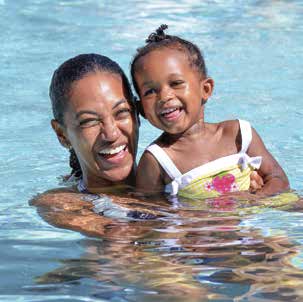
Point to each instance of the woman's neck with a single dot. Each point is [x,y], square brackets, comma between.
[101,185]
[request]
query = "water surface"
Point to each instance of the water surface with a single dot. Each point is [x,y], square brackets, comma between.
[254,52]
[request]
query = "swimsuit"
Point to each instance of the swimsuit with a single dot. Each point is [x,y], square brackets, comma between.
[81,186]
[104,206]
[226,174]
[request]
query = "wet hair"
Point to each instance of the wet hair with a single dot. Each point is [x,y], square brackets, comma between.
[74,164]
[158,39]
[73,70]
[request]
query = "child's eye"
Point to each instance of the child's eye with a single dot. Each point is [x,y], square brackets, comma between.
[89,122]
[149,91]
[177,83]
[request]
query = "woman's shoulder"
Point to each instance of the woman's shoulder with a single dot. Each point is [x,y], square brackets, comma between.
[66,208]
[58,198]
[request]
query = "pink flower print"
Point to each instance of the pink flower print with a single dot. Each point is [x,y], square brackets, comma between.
[223,184]
[234,187]
[208,186]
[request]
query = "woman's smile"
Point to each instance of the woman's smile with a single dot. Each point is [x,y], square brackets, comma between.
[114,155]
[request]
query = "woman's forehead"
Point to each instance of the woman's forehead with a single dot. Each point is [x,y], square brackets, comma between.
[100,80]
[99,93]
[97,87]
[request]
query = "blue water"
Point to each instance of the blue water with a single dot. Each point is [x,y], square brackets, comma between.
[254,52]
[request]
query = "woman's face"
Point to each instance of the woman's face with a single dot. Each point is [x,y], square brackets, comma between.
[101,126]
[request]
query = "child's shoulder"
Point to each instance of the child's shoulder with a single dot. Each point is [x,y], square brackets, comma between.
[229,127]
[230,131]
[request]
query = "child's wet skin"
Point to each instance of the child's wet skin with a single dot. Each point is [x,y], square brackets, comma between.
[172,93]
[193,156]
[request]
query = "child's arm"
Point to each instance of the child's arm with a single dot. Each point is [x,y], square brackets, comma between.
[149,178]
[275,179]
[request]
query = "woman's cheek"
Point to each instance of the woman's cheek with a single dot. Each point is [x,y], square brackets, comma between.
[127,124]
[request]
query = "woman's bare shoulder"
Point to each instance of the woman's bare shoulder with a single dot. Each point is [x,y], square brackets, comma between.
[66,208]
[66,198]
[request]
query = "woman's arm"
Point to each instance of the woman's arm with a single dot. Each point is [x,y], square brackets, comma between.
[71,210]
[256,182]
[67,210]
[275,179]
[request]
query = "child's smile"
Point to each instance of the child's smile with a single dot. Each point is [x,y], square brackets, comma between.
[171,114]
[171,90]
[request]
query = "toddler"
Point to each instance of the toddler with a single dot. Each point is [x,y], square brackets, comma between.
[193,158]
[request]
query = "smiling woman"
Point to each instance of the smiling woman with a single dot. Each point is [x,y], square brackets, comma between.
[94,115]
[95,118]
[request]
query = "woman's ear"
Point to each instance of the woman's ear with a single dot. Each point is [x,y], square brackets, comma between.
[140,108]
[207,88]
[60,132]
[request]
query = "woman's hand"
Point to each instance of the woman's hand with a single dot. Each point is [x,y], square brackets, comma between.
[256,182]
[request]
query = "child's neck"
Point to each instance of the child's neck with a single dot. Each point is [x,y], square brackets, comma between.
[199,128]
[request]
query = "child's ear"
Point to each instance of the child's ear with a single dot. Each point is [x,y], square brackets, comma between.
[60,132]
[139,107]
[207,88]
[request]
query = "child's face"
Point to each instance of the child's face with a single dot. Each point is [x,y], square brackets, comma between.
[171,91]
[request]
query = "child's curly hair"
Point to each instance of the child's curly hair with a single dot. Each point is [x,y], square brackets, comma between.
[159,39]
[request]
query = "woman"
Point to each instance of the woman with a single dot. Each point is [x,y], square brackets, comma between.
[96,119]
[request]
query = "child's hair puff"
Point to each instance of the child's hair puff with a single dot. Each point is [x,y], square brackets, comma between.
[159,39]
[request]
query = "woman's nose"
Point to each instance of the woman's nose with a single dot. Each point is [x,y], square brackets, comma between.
[110,130]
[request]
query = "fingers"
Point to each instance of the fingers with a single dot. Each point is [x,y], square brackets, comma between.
[253,186]
[256,181]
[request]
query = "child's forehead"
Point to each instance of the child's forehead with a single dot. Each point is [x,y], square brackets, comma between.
[164,52]
[172,49]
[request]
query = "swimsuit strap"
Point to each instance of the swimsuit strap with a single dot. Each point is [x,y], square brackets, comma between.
[81,187]
[246,135]
[164,160]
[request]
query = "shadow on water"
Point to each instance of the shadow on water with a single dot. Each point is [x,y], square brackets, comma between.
[198,250]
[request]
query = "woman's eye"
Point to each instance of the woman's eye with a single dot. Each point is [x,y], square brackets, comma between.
[89,122]
[124,112]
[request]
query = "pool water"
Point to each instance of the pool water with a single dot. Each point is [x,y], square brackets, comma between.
[254,52]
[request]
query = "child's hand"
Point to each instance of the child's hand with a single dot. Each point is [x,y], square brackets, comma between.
[256,182]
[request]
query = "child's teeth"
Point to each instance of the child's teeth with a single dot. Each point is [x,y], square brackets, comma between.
[168,110]
[112,150]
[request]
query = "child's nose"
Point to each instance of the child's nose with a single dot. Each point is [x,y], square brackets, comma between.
[166,94]
[110,130]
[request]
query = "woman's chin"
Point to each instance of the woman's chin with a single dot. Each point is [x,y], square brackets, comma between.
[119,175]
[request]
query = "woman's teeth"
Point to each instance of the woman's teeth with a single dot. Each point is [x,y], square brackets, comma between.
[112,151]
